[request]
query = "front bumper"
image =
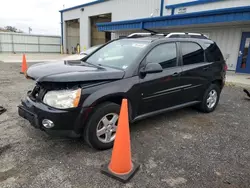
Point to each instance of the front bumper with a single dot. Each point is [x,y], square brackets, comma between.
[66,122]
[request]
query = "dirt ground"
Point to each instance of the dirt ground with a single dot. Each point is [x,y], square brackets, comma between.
[184,148]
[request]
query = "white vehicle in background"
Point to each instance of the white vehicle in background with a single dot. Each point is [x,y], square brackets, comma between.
[82,54]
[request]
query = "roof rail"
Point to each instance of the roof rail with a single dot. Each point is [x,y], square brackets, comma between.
[136,35]
[169,35]
[139,34]
[186,35]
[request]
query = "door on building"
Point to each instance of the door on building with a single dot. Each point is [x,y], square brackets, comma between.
[98,37]
[72,36]
[243,64]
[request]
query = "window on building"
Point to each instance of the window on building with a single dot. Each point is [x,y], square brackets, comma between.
[192,53]
[164,54]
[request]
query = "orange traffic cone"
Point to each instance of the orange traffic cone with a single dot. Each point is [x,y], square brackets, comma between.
[24,65]
[121,166]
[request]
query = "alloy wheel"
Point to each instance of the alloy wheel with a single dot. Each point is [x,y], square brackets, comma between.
[106,128]
[212,99]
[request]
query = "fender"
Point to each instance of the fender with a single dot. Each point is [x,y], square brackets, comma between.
[118,88]
[126,88]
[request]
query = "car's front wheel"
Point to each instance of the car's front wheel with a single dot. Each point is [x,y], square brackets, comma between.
[100,129]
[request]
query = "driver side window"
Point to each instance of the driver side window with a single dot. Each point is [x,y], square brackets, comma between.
[164,54]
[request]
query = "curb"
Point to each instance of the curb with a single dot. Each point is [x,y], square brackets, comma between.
[237,84]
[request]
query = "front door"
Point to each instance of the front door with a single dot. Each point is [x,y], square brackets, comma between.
[160,90]
[243,65]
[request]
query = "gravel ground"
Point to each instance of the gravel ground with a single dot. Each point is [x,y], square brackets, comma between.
[184,148]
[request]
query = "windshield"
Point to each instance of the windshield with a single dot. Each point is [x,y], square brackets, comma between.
[119,53]
[90,50]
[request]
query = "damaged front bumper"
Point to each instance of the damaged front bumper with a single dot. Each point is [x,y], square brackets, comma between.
[66,122]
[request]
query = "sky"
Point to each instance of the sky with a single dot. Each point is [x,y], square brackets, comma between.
[42,16]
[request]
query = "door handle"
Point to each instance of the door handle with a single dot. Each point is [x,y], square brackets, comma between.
[176,74]
[205,68]
[240,54]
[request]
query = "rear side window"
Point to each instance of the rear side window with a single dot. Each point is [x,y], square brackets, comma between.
[213,53]
[192,53]
[164,54]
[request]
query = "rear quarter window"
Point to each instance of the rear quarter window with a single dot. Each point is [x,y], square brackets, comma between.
[192,53]
[213,53]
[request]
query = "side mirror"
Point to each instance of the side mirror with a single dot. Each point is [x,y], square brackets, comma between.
[151,68]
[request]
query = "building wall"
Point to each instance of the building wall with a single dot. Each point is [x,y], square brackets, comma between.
[205,6]
[134,9]
[228,38]
[96,36]
[72,36]
[120,9]
[219,5]
[20,42]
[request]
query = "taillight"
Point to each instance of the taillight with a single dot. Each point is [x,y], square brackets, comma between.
[225,67]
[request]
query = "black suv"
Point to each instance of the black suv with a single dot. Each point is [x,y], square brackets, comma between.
[155,72]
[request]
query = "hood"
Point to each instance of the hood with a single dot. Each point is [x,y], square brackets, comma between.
[74,57]
[71,71]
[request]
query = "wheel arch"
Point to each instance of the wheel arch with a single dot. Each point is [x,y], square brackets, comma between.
[115,98]
[218,82]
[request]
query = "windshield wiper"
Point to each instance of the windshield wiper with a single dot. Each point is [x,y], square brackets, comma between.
[94,65]
[110,66]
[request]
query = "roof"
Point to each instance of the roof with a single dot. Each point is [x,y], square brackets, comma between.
[236,14]
[83,5]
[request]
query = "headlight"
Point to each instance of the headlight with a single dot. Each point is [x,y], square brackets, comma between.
[62,99]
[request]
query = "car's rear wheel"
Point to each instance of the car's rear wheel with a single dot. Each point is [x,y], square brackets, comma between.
[100,129]
[210,99]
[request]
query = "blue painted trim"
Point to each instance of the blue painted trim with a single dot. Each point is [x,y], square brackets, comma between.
[61,28]
[245,35]
[83,5]
[204,17]
[162,5]
[142,25]
[192,3]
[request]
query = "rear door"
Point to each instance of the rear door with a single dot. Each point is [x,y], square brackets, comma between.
[160,90]
[196,72]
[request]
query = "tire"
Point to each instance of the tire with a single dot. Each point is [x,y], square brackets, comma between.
[210,106]
[98,122]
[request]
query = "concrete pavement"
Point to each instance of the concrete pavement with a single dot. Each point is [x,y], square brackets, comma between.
[31,57]
[181,149]
[238,79]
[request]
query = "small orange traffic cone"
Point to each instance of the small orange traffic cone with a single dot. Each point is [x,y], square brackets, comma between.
[121,166]
[24,65]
